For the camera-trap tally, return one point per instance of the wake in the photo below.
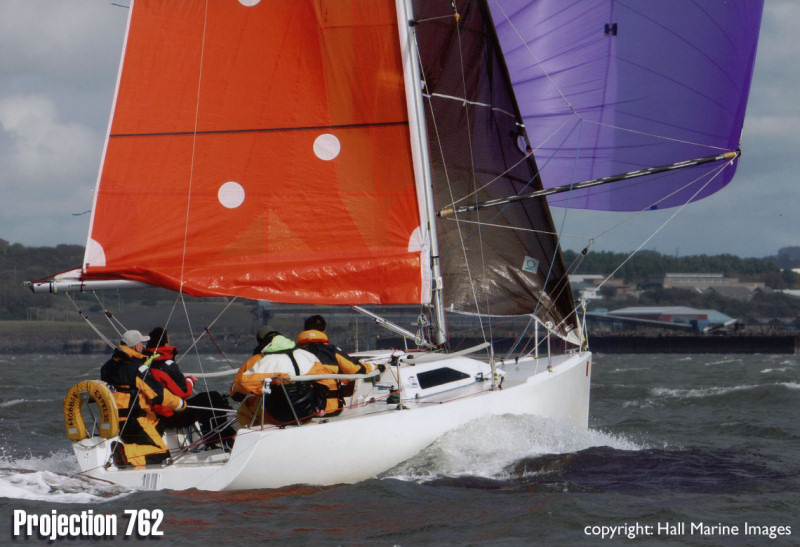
(53, 479)
(488, 448)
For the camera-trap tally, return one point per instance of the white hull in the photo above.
(365, 441)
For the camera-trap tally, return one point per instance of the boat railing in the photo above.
(284, 380)
(430, 357)
(315, 377)
(300, 378)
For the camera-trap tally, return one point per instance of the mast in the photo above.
(411, 68)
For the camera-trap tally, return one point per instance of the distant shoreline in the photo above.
(723, 344)
(19, 338)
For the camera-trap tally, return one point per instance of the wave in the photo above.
(53, 479)
(724, 362)
(695, 393)
(660, 395)
(654, 471)
(486, 448)
(14, 402)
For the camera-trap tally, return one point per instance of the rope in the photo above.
(194, 147)
(651, 236)
(89, 322)
(536, 59)
(473, 179)
(219, 349)
(445, 168)
(667, 221)
(110, 316)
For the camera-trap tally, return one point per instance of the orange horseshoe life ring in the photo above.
(101, 394)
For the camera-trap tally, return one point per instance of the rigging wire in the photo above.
(189, 193)
(536, 59)
(194, 150)
(664, 224)
(88, 321)
(661, 227)
(579, 259)
(111, 344)
(444, 166)
(207, 330)
(711, 173)
(473, 177)
(466, 103)
(564, 279)
(112, 320)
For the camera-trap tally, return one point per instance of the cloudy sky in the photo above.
(58, 68)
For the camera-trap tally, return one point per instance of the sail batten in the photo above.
(258, 130)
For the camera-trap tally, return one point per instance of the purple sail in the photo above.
(606, 87)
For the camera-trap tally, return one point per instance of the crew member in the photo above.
(314, 339)
(136, 392)
(165, 369)
(280, 358)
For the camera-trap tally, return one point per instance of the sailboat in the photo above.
(399, 152)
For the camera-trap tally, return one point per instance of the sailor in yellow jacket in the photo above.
(135, 392)
(280, 358)
(314, 340)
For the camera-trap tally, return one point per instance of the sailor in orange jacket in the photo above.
(136, 392)
(263, 337)
(314, 340)
(280, 358)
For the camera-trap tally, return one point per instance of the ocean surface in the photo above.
(681, 450)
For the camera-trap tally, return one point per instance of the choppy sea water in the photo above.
(681, 450)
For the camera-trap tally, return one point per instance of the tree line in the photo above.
(775, 271)
(19, 263)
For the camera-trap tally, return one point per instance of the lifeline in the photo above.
(54, 525)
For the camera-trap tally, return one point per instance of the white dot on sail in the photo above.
(231, 195)
(249, 3)
(95, 254)
(327, 146)
(416, 242)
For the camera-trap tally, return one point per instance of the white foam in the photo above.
(14, 402)
(53, 479)
(486, 447)
(700, 393)
(723, 362)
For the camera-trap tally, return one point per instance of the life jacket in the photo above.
(337, 362)
(281, 358)
(295, 401)
(167, 372)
